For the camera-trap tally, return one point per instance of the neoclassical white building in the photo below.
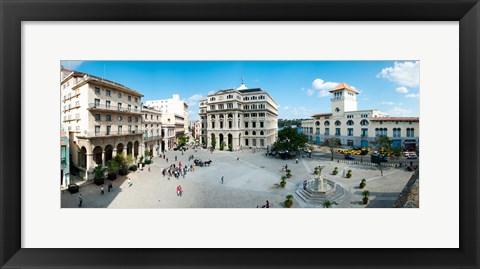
(103, 118)
(239, 117)
(359, 127)
(152, 134)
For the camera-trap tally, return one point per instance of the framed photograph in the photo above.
(239, 134)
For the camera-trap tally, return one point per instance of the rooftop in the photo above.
(415, 119)
(342, 86)
(321, 115)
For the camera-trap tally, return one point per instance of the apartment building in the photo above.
(103, 118)
(152, 132)
(171, 106)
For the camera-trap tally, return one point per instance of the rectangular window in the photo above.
(108, 92)
(136, 100)
(107, 104)
(337, 131)
(109, 117)
(221, 125)
(246, 124)
(317, 131)
(97, 90)
(254, 124)
(213, 125)
(97, 130)
(129, 98)
(364, 132)
(230, 124)
(261, 124)
(97, 102)
(119, 129)
(129, 107)
(97, 117)
(119, 106)
(350, 131)
(108, 129)
(327, 131)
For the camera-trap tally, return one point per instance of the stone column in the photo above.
(114, 152)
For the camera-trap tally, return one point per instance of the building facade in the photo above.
(239, 117)
(168, 132)
(359, 127)
(196, 130)
(152, 132)
(64, 158)
(103, 119)
(171, 106)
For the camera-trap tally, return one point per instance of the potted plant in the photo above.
(326, 204)
(349, 174)
(289, 201)
(289, 174)
(112, 168)
(335, 171)
(222, 145)
(98, 175)
(283, 182)
(230, 147)
(363, 183)
(365, 194)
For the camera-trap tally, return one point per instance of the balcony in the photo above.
(152, 138)
(105, 108)
(110, 134)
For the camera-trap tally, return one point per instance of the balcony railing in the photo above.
(152, 138)
(110, 133)
(113, 108)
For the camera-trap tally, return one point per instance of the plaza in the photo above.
(248, 182)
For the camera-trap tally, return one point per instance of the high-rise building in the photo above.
(171, 106)
(237, 118)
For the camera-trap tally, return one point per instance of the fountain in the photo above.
(319, 188)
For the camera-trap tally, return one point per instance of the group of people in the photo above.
(109, 186)
(177, 171)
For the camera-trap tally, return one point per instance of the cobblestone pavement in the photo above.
(248, 183)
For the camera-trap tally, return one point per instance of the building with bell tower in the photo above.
(344, 99)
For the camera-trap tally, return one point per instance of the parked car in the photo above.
(349, 157)
(412, 156)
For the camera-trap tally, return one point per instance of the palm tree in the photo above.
(326, 204)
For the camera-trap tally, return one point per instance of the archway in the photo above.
(108, 153)
(230, 140)
(82, 157)
(220, 139)
(97, 155)
(120, 149)
(129, 148)
(135, 149)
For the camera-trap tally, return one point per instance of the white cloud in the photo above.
(320, 84)
(193, 100)
(310, 92)
(400, 112)
(71, 64)
(412, 95)
(401, 90)
(387, 103)
(323, 93)
(286, 107)
(402, 73)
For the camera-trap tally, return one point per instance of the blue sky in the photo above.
(300, 88)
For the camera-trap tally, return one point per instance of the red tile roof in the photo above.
(321, 115)
(395, 119)
(342, 86)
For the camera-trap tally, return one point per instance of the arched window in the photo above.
(327, 123)
(254, 133)
(338, 123)
(261, 132)
(246, 132)
(317, 123)
(364, 123)
(213, 117)
(230, 116)
(350, 122)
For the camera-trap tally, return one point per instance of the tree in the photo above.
(383, 143)
(327, 204)
(182, 140)
(289, 139)
(222, 145)
(331, 143)
(213, 143)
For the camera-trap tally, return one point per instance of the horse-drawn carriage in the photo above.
(201, 163)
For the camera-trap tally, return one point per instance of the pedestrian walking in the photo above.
(238, 158)
(102, 190)
(296, 160)
(110, 186)
(129, 182)
(381, 172)
(178, 190)
(80, 200)
(175, 157)
(149, 168)
(221, 180)
(286, 167)
(267, 205)
(167, 160)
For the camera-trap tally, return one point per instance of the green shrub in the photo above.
(283, 183)
(349, 174)
(335, 171)
(289, 201)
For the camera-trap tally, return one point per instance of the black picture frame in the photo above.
(13, 12)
